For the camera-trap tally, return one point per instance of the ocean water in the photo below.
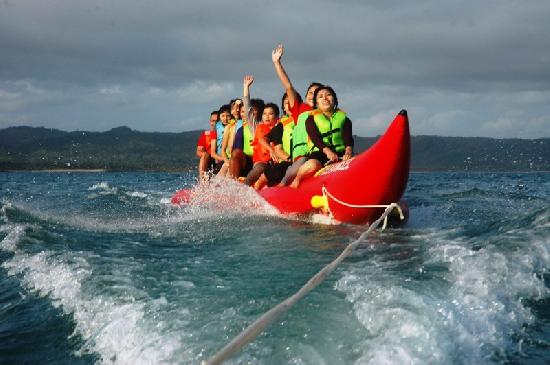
(99, 268)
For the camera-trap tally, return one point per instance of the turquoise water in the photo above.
(100, 268)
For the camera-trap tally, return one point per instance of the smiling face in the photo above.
(325, 101)
(309, 95)
(225, 117)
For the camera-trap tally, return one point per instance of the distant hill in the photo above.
(30, 148)
(435, 153)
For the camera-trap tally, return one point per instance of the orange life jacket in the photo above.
(260, 153)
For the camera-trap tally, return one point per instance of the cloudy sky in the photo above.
(461, 68)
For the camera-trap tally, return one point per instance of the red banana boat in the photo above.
(353, 191)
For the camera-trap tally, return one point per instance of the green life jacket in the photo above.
(288, 125)
(330, 129)
(247, 140)
(300, 137)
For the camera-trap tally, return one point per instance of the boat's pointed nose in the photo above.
(376, 176)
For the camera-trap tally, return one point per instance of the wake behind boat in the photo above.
(354, 191)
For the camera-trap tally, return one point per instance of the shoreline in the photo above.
(60, 170)
(185, 171)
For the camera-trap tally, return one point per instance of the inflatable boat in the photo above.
(355, 191)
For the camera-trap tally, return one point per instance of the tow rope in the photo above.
(253, 330)
(327, 193)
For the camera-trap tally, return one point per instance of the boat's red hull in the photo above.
(375, 177)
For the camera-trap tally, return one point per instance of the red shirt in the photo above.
(297, 109)
(206, 139)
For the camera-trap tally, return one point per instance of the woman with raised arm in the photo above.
(241, 155)
(299, 112)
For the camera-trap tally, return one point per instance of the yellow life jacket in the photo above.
(288, 126)
(247, 140)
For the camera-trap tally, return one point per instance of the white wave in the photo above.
(323, 219)
(5, 206)
(464, 314)
(542, 221)
(136, 194)
(14, 235)
(103, 188)
(121, 331)
(166, 201)
(172, 216)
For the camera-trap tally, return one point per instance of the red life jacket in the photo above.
(260, 153)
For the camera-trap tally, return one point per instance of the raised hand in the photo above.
(248, 80)
(277, 53)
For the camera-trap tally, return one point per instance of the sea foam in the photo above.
(120, 331)
(466, 313)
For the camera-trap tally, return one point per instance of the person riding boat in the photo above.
(329, 134)
(234, 128)
(206, 139)
(299, 112)
(241, 155)
(279, 143)
(217, 151)
(261, 155)
(235, 106)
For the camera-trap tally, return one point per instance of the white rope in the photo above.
(326, 193)
(252, 331)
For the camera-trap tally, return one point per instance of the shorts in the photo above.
(319, 156)
(276, 171)
(247, 166)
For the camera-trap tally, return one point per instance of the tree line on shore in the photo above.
(123, 149)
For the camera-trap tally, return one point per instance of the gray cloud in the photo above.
(459, 67)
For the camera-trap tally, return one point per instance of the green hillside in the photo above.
(29, 148)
